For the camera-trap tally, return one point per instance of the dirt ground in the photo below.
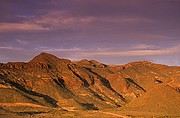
(40, 112)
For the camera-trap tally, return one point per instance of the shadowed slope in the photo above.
(50, 81)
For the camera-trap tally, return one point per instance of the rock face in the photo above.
(53, 82)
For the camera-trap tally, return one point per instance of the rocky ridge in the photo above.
(49, 81)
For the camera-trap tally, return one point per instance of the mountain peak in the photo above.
(142, 62)
(90, 63)
(45, 54)
(45, 57)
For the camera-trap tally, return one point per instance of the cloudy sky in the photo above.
(110, 31)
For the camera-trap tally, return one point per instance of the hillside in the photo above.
(48, 82)
(161, 98)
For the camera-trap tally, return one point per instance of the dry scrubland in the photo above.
(49, 87)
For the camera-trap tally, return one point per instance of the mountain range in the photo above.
(48, 85)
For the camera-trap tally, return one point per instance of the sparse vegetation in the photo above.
(51, 87)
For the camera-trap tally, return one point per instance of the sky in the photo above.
(109, 31)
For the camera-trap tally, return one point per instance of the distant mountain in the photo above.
(48, 81)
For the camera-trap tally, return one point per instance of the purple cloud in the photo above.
(107, 30)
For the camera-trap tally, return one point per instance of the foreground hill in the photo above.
(48, 82)
(162, 99)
